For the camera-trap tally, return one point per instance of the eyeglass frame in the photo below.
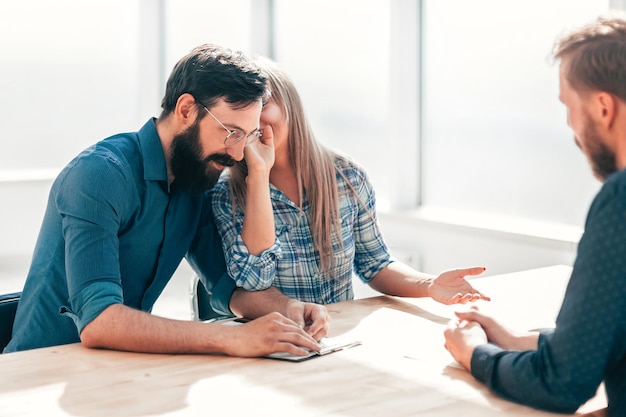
(231, 132)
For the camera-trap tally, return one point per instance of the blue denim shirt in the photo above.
(114, 232)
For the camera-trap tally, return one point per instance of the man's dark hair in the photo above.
(210, 72)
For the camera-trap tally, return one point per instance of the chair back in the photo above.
(200, 299)
(8, 306)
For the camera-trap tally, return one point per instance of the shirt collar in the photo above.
(154, 167)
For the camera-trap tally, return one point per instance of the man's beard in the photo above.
(601, 158)
(192, 172)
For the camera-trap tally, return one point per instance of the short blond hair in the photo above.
(595, 56)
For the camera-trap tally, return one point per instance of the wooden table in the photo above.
(401, 369)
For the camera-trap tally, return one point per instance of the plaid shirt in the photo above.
(291, 264)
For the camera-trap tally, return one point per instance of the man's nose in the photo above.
(236, 151)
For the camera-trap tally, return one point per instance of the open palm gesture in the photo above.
(451, 287)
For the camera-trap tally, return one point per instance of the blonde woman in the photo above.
(302, 218)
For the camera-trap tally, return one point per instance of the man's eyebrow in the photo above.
(233, 126)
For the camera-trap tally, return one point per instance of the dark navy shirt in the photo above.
(114, 232)
(588, 344)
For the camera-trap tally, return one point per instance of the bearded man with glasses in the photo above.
(123, 214)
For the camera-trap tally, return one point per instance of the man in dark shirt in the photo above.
(561, 368)
(122, 215)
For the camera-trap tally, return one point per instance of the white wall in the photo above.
(436, 244)
(21, 213)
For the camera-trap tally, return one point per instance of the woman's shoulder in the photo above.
(350, 168)
(348, 163)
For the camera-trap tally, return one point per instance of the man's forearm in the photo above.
(120, 327)
(253, 304)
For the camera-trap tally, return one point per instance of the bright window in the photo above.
(494, 135)
(68, 76)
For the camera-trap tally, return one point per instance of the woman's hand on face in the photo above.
(259, 153)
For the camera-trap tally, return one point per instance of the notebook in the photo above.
(328, 345)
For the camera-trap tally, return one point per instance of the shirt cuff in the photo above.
(483, 360)
(255, 272)
(369, 275)
(91, 301)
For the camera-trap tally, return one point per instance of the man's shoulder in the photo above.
(610, 202)
(618, 178)
(115, 159)
(120, 149)
(614, 187)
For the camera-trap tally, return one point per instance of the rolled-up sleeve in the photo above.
(251, 272)
(89, 202)
(371, 252)
(91, 301)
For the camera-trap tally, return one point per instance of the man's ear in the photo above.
(606, 109)
(186, 109)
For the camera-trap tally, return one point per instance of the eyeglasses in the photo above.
(235, 136)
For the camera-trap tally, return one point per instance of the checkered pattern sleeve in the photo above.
(371, 254)
(250, 272)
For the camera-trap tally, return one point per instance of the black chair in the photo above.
(200, 299)
(8, 305)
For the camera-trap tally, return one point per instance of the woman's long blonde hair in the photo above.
(314, 165)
